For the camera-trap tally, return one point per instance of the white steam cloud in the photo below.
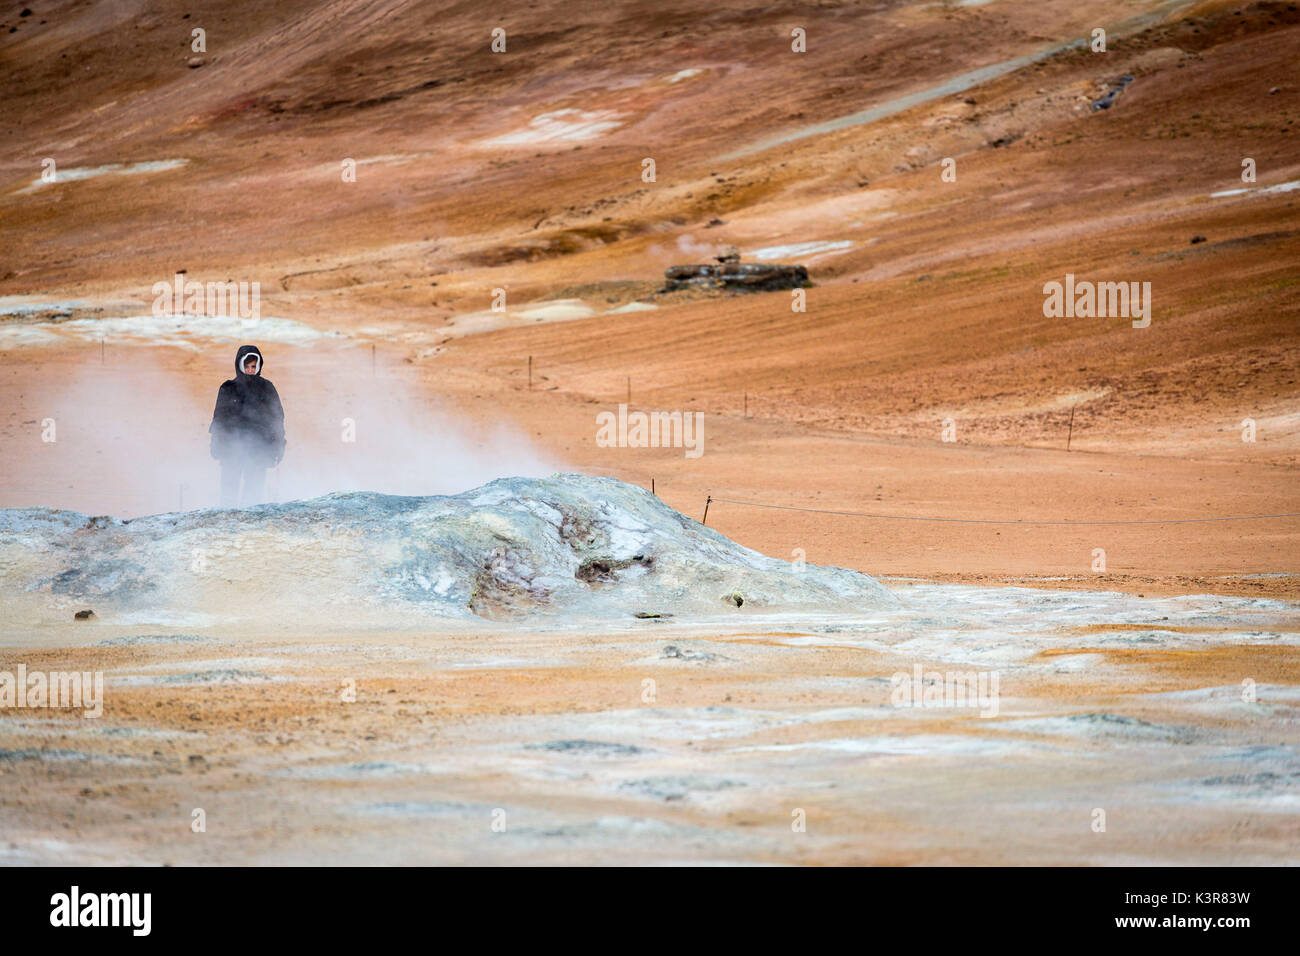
(133, 440)
(686, 250)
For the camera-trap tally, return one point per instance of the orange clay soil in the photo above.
(934, 311)
(522, 171)
(514, 746)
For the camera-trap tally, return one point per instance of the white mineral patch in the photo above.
(802, 250)
(1260, 190)
(561, 126)
(193, 332)
(558, 311)
(75, 173)
(915, 745)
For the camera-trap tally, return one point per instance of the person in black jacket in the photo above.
(247, 429)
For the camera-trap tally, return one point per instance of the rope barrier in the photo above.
(866, 514)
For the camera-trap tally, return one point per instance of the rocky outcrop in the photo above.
(734, 275)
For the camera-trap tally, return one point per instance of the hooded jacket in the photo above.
(248, 421)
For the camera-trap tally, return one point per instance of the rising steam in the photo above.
(133, 440)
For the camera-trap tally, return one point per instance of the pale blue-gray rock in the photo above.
(564, 547)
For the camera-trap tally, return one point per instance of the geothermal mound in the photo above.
(566, 545)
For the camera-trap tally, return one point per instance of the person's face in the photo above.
(250, 365)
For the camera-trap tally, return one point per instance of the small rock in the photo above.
(195, 62)
(1198, 239)
(1276, 89)
(86, 615)
(672, 651)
